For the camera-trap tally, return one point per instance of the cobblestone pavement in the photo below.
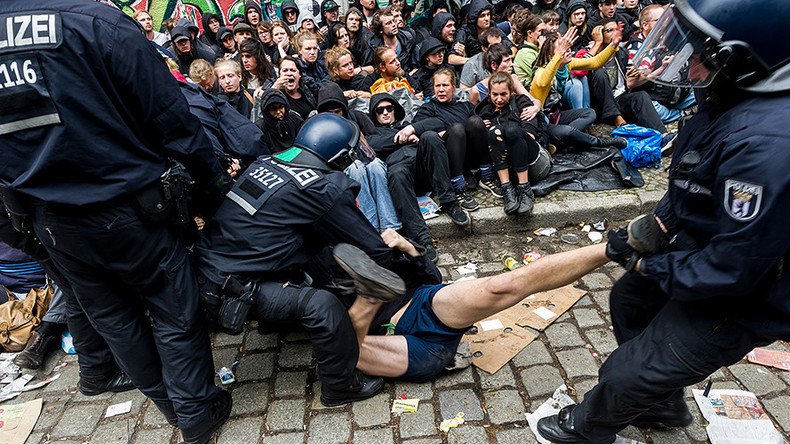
(276, 396)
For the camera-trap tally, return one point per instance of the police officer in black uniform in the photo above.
(90, 117)
(278, 222)
(707, 282)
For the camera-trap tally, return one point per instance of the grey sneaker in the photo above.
(466, 201)
(492, 184)
(372, 280)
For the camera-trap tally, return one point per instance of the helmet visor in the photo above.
(673, 54)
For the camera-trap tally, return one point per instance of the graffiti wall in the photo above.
(231, 10)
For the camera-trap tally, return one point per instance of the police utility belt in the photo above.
(165, 201)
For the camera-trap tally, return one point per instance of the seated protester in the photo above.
(367, 169)
(252, 13)
(443, 28)
(242, 32)
(432, 319)
(279, 123)
(145, 20)
(258, 72)
(499, 58)
(668, 101)
(478, 19)
(463, 133)
(202, 73)
(511, 140)
(607, 9)
(576, 17)
(542, 6)
(614, 101)
(415, 166)
(270, 49)
(432, 56)
(289, 11)
(474, 69)
(368, 9)
(185, 51)
(308, 25)
(630, 10)
(552, 21)
(401, 10)
(234, 138)
(422, 23)
(300, 97)
(509, 11)
(531, 27)
(211, 24)
(330, 13)
(281, 36)
(228, 47)
(359, 36)
(310, 64)
(229, 76)
(566, 127)
(388, 76)
(386, 34)
(310, 206)
(340, 64)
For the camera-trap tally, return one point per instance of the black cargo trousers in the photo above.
(135, 284)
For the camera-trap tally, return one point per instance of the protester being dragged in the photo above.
(341, 68)
(278, 121)
(300, 97)
(229, 75)
(186, 51)
(512, 139)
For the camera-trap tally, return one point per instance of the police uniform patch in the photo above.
(742, 199)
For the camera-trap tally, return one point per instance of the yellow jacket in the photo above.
(544, 77)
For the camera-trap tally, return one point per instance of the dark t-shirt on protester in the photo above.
(301, 106)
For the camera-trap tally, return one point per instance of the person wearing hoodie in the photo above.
(576, 16)
(478, 20)
(359, 36)
(186, 51)
(463, 133)
(432, 57)
(278, 122)
(289, 12)
(252, 13)
(371, 173)
(211, 24)
(415, 165)
(193, 34)
(443, 28)
(228, 48)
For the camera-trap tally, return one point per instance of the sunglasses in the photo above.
(381, 109)
(290, 12)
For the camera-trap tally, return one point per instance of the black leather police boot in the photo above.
(559, 428)
(372, 280)
(35, 351)
(218, 414)
(362, 387)
(92, 385)
(665, 414)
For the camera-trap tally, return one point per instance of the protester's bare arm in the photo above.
(461, 304)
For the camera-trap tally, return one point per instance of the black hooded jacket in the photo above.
(278, 134)
(467, 34)
(512, 114)
(210, 38)
(435, 116)
(250, 4)
(406, 46)
(330, 96)
(422, 79)
(383, 142)
(197, 51)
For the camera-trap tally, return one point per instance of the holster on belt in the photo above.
(238, 297)
(17, 211)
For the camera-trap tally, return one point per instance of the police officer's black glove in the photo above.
(208, 198)
(618, 249)
(646, 236)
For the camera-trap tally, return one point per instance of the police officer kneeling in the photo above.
(276, 222)
(707, 282)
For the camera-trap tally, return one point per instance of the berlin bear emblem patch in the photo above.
(742, 199)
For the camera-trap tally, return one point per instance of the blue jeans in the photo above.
(374, 197)
(672, 114)
(577, 93)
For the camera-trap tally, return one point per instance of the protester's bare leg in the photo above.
(361, 313)
(462, 304)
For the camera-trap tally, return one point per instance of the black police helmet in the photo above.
(739, 41)
(330, 137)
